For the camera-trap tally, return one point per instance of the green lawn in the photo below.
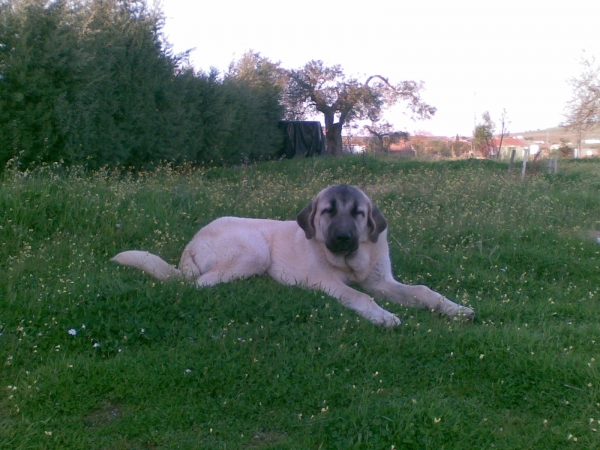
(97, 356)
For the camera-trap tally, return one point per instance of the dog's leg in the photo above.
(418, 297)
(212, 278)
(216, 276)
(361, 303)
(208, 279)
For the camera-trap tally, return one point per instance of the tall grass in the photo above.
(99, 356)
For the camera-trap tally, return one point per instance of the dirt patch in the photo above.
(107, 413)
(265, 439)
(595, 236)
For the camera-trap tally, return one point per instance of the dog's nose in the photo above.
(342, 241)
(343, 236)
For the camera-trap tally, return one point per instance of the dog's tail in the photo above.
(149, 263)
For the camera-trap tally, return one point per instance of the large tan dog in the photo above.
(338, 240)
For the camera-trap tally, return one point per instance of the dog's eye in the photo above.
(358, 212)
(327, 211)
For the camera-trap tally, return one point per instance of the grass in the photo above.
(94, 355)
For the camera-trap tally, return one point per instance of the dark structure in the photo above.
(302, 139)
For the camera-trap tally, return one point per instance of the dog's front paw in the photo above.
(452, 309)
(387, 320)
(465, 312)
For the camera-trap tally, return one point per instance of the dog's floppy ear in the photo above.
(376, 223)
(306, 219)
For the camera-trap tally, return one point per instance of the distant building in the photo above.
(519, 145)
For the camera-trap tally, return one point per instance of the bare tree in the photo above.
(327, 90)
(583, 110)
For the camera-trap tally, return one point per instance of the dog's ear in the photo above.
(376, 223)
(306, 219)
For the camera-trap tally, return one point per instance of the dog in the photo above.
(338, 240)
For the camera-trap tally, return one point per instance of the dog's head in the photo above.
(342, 216)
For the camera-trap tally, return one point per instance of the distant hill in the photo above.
(554, 135)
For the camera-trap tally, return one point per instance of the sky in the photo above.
(473, 56)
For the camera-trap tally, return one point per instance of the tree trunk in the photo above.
(334, 139)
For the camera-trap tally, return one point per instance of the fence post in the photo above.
(525, 158)
(553, 164)
(512, 160)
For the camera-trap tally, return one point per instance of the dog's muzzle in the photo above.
(342, 243)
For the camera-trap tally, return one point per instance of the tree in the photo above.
(565, 150)
(383, 136)
(83, 81)
(459, 148)
(439, 148)
(258, 71)
(583, 110)
(327, 90)
(418, 142)
(503, 130)
(483, 136)
(255, 84)
(94, 82)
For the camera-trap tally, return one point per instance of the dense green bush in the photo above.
(94, 82)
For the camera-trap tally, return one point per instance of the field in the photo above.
(98, 356)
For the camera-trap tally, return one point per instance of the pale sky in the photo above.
(472, 56)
